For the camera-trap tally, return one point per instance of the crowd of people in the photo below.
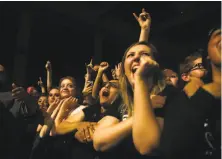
(144, 111)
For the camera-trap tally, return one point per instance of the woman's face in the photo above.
(67, 89)
(108, 93)
(43, 103)
(53, 95)
(132, 60)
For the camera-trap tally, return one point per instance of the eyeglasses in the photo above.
(196, 67)
(111, 84)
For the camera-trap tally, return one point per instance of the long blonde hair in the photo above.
(125, 87)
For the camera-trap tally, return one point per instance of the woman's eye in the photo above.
(145, 54)
(70, 86)
(130, 55)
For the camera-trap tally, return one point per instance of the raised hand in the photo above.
(40, 83)
(103, 66)
(18, 93)
(89, 67)
(87, 89)
(48, 66)
(53, 106)
(118, 70)
(49, 117)
(113, 71)
(144, 19)
(67, 105)
(147, 65)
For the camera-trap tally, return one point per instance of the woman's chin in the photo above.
(65, 95)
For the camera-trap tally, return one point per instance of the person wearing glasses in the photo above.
(190, 129)
(192, 69)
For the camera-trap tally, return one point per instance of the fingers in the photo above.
(113, 70)
(136, 17)
(18, 92)
(144, 16)
(143, 10)
(146, 60)
(104, 64)
(80, 136)
(87, 134)
(13, 86)
(16, 89)
(53, 106)
(88, 90)
(158, 101)
(48, 65)
(119, 65)
(55, 112)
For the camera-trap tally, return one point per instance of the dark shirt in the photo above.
(66, 146)
(183, 133)
(126, 148)
(14, 124)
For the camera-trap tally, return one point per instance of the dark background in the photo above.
(65, 33)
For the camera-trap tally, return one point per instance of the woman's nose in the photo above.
(137, 58)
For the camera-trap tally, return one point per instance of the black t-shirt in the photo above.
(183, 133)
(14, 125)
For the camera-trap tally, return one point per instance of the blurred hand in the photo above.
(144, 19)
(49, 118)
(18, 93)
(69, 104)
(53, 106)
(103, 66)
(87, 89)
(48, 66)
(118, 70)
(85, 133)
(113, 71)
(147, 65)
(158, 101)
(89, 67)
(40, 83)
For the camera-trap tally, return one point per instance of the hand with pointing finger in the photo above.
(144, 19)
